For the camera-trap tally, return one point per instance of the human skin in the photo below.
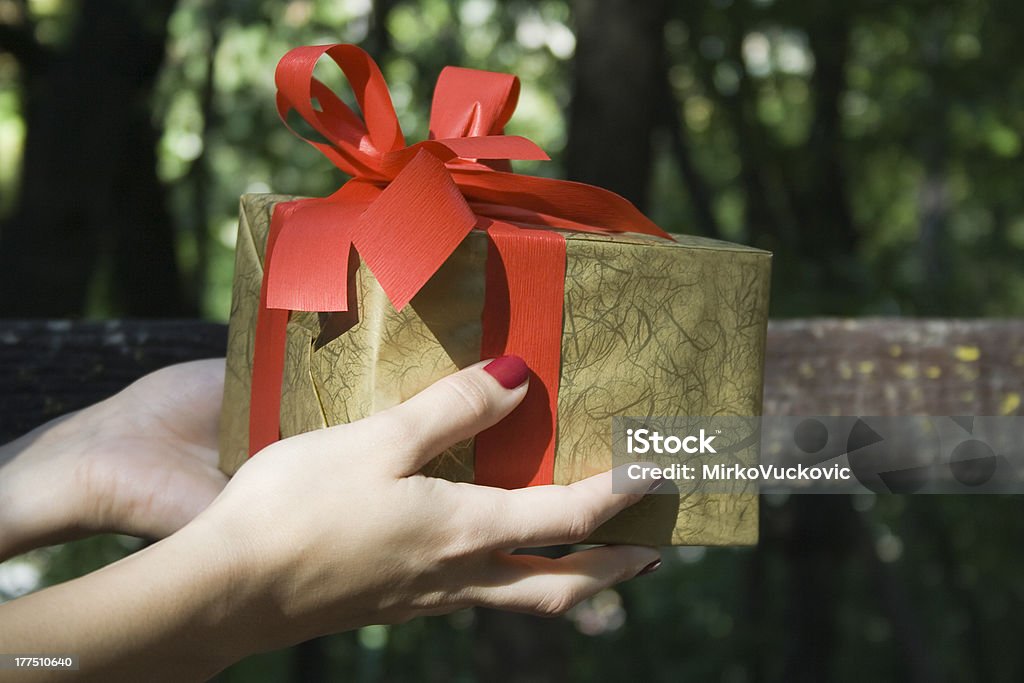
(319, 533)
(143, 462)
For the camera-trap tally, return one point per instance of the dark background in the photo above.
(874, 146)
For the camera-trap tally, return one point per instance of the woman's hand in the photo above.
(143, 462)
(329, 531)
(336, 528)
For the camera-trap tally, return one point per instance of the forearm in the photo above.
(178, 610)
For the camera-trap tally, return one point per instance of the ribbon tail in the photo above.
(525, 285)
(308, 270)
(554, 203)
(412, 228)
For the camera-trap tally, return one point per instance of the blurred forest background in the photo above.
(873, 145)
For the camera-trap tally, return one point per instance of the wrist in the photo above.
(38, 501)
(220, 593)
(278, 587)
(256, 593)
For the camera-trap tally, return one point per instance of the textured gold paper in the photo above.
(651, 327)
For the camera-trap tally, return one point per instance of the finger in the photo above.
(552, 515)
(450, 410)
(550, 587)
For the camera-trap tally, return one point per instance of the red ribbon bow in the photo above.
(406, 208)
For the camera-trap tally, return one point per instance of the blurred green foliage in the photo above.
(930, 111)
(931, 114)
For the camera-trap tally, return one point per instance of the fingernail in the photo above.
(649, 569)
(655, 485)
(510, 371)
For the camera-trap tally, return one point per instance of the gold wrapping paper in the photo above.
(651, 327)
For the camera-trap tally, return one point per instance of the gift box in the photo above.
(434, 256)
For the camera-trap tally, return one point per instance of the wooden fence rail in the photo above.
(875, 366)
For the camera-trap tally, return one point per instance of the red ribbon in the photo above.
(406, 208)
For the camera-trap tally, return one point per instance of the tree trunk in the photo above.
(615, 95)
(89, 195)
(827, 195)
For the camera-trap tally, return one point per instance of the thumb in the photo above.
(450, 410)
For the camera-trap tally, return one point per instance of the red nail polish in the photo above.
(652, 567)
(510, 371)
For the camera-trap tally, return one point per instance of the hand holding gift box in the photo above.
(434, 255)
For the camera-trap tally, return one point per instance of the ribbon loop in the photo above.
(358, 144)
(472, 103)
